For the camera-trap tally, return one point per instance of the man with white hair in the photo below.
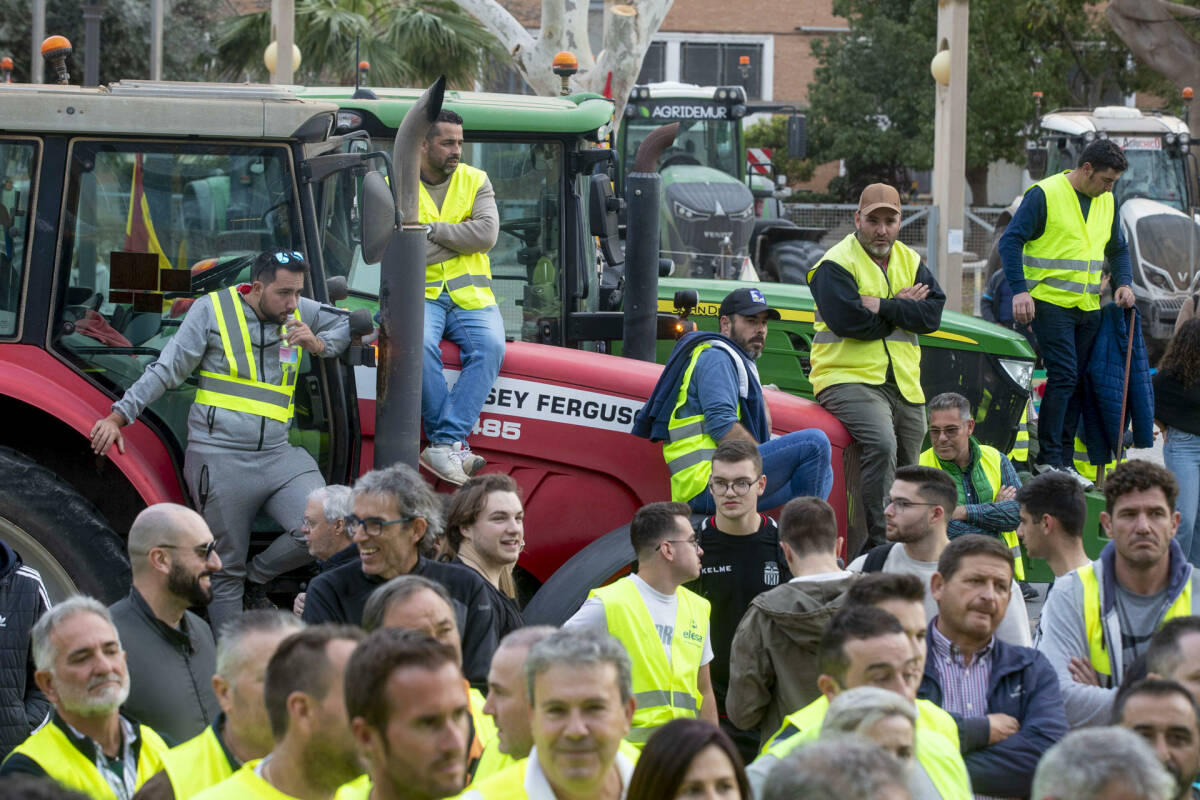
(325, 532)
(1101, 764)
(170, 651)
(87, 745)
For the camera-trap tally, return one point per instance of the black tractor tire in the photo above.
(790, 260)
(564, 592)
(59, 533)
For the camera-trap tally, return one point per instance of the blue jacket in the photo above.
(651, 422)
(1101, 410)
(1022, 685)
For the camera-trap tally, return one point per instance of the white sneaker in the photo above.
(1080, 478)
(471, 463)
(441, 460)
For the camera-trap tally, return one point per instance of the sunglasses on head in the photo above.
(286, 258)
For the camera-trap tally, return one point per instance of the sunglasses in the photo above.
(287, 258)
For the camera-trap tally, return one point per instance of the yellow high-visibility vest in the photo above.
(1020, 448)
(240, 389)
(989, 460)
(63, 762)
(688, 450)
(246, 784)
(1063, 266)
(1098, 645)
(663, 690)
(836, 360)
(937, 743)
(467, 277)
(196, 764)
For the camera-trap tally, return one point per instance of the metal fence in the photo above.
(918, 229)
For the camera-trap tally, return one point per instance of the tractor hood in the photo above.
(709, 218)
(1164, 246)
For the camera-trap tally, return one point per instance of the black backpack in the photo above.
(876, 556)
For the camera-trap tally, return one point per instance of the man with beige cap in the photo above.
(874, 295)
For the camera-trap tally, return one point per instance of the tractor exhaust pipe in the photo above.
(402, 297)
(643, 188)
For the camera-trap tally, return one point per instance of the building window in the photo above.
(718, 64)
(712, 60)
(654, 65)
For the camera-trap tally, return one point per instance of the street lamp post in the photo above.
(949, 68)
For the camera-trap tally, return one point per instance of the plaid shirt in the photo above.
(964, 688)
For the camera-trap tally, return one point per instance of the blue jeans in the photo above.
(1066, 336)
(798, 464)
(449, 414)
(1181, 454)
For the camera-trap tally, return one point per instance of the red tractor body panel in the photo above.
(34, 376)
(558, 421)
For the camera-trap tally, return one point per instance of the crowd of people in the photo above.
(886, 680)
(743, 657)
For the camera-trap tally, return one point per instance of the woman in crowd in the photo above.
(882, 716)
(1177, 413)
(485, 530)
(689, 758)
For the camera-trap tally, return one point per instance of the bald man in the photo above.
(169, 650)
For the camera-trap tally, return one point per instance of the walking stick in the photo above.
(1125, 387)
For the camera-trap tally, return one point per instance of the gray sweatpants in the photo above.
(890, 432)
(229, 487)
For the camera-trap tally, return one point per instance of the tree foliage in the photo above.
(124, 37)
(408, 43)
(872, 103)
(772, 132)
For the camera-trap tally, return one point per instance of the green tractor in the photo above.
(713, 220)
(558, 268)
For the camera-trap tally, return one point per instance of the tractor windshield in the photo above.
(1154, 173)
(707, 142)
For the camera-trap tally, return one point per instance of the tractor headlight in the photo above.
(689, 214)
(1020, 371)
(743, 215)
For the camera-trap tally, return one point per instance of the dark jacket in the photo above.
(651, 422)
(339, 595)
(1102, 383)
(170, 669)
(773, 662)
(1024, 686)
(22, 600)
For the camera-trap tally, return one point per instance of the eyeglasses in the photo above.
(948, 433)
(904, 505)
(287, 258)
(694, 541)
(201, 550)
(374, 526)
(722, 486)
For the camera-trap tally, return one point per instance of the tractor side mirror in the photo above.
(603, 206)
(378, 216)
(797, 140)
(1035, 162)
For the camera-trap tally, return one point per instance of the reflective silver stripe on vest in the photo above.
(640, 735)
(1080, 265)
(684, 431)
(433, 285)
(239, 346)
(657, 698)
(210, 384)
(817, 315)
(829, 337)
(463, 281)
(1065, 285)
(690, 459)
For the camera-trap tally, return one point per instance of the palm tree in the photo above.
(408, 42)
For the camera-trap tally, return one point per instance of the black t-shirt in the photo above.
(734, 570)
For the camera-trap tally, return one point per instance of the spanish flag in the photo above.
(139, 226)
